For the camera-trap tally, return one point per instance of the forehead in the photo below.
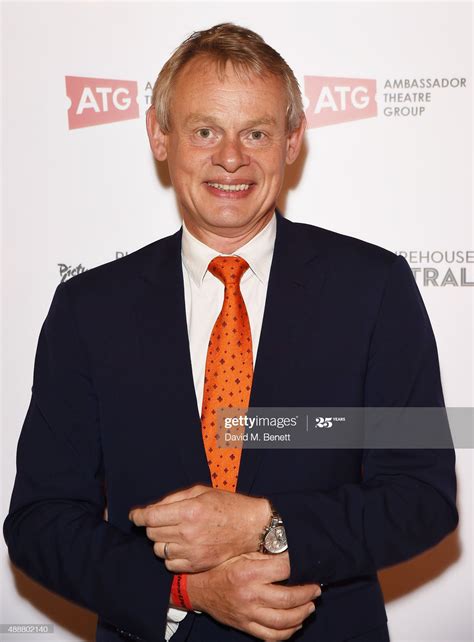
(203, 87)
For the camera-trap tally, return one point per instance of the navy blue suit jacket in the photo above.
(114, 419)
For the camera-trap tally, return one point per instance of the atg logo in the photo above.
(338, 100)
(97, 101)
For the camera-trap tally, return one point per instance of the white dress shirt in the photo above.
(204, 295)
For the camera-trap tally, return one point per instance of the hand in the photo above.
(203, 527)
(240, 593)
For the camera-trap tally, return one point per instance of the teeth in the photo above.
(230, 188)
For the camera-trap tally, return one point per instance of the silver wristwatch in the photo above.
(273, 538)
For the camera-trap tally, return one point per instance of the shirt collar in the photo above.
(258, 253)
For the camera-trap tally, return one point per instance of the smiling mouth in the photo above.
(241, 187)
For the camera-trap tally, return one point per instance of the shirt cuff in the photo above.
(176, 615)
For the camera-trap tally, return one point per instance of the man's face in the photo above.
(227, 148)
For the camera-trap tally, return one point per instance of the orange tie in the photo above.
(229, 369)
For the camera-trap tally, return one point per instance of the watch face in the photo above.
(275, 540)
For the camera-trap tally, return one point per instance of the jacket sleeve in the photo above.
(406, 500)
(55, 529)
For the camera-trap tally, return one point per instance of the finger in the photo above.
(182, 566)
(287, 597)
(159, 550)
(137, 516)
(173, 551)
(160, 514)
(282, 619)
(176, 558)
(264, 633)
(163, 533)
(187, 493)
(141, 516)
(270, 569)
(176, 566)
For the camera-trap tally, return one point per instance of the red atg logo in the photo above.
(97, 101)
(338, 100)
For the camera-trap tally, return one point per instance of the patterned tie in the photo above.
(229, 370)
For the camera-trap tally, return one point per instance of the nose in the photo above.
(230, 154)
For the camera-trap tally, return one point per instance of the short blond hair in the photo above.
(248, 53)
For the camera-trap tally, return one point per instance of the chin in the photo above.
(229, 219)
(231, 223)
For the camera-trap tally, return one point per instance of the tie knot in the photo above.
(228, 269)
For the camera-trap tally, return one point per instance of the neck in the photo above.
(220, 240)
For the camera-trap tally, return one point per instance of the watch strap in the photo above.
(275, 520)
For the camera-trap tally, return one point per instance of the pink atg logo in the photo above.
(97, 101)
(339, 100)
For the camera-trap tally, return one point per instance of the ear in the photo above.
(156, 136)
(294, 141)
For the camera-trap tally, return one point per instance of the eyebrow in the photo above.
(200, 118)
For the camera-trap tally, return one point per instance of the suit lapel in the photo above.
(296, 279)
(165, 350)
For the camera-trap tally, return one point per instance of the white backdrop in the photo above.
(75, 198)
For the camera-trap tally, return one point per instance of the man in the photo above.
(240, 307)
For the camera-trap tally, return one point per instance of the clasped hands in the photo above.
(213, 535)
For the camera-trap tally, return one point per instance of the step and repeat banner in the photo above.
(387, 158)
